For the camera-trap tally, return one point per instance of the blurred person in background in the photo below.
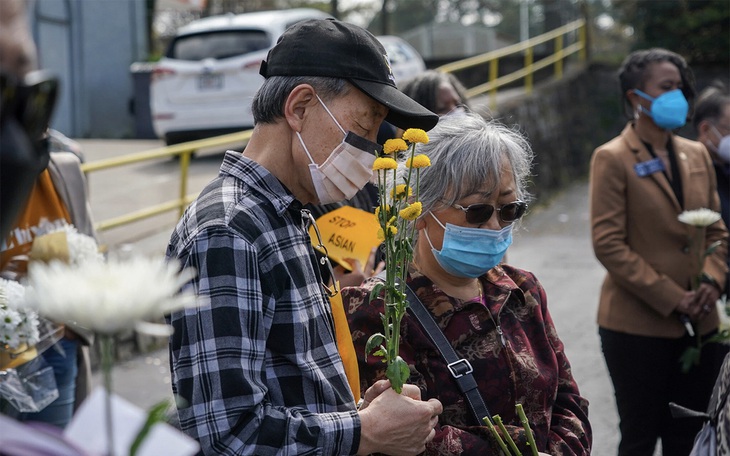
(23, 153)
(712, 122)
(640, 182)
(40, 192)
(440, 92)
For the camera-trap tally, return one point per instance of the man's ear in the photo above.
(703, 129)
(298, 104)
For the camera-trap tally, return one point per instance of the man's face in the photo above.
(355, 112)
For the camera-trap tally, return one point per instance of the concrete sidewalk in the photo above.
(554, 243)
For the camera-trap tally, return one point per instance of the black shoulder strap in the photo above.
(460, 368)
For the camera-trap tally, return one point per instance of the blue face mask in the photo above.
(470, 252)
(668, 110)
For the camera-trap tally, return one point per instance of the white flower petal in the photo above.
(153, 329)
(18, 324)
(108, 297)
(699, 217)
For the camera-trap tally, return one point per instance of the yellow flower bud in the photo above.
(419, 161)
(400, 191)
(394, 145)
(415, 135)
(384, 163)
(412, 211)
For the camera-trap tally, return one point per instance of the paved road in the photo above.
(553, 242)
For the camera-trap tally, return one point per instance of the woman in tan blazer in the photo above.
(640, 182)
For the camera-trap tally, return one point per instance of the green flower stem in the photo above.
(107, 361)
(399, 251)
(528, 431)
(510, 443)
(497, 437)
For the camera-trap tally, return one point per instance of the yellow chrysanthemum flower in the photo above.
(419, 161)
(391, 229)
(394, 145)
(412, 211)
(377, 211)
(384, 163)
(415, 135)
(400, 191)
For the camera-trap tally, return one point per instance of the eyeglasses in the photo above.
(325, 260)
(30, 100)
(479, 213)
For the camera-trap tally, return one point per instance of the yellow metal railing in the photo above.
(184, 151)
(528, 70)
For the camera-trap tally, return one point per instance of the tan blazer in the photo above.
(640, 242)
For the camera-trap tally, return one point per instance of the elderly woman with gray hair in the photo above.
(493, 315)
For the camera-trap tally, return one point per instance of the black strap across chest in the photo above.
(459, 368)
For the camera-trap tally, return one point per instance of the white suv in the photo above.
(204, 84)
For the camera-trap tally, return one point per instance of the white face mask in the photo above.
(347, 169)
(723, 147)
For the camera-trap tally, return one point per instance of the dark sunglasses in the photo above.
(30, 100)
(479, 213)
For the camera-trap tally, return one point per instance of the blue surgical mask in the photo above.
(668, 110)
(470, 252)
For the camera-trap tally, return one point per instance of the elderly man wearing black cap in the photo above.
(257, 365)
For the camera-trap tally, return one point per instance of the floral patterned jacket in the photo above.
(526, 365)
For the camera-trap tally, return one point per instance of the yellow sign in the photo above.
(347, 232)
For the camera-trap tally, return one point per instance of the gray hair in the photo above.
(268, 103)
(711, 103)
(466, 152)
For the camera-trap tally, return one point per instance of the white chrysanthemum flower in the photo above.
(18, 325)
(109, 297)
(699, 217)
(81, 248)
(12, 294)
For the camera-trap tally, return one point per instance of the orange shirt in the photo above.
(44, 212)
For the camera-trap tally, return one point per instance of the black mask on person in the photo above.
(25, 110)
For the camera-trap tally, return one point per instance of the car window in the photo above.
(398, 53)
(218, 45)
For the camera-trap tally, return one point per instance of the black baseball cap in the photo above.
(336, 49)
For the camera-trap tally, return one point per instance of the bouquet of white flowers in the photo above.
(27, 384)
(18, 325)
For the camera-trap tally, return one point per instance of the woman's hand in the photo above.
(687, 305)
(706, 298)
(358, 273)
(698, 304)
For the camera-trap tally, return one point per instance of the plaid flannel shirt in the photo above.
(257, 363)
